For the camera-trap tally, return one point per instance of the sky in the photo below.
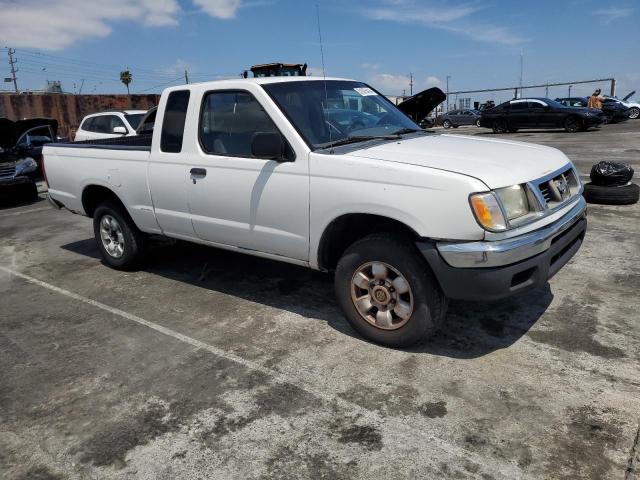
(477, 43)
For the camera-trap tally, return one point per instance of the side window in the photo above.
(228, 122)
(536, 106)
(518, 106)
(101, 124)
(115, 122)
(86, 125)
(175, 115)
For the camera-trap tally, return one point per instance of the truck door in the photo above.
(168, 168)
(237, 199)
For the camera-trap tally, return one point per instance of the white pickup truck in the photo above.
(328, 174)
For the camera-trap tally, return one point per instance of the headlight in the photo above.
(27, 165)
(514, 200)
(487, 211)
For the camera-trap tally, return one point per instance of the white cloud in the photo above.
(57, 24)
(614, 13)
(444, 17)
(178, 68)
(432, 81)
(219, 8)
(392, 84)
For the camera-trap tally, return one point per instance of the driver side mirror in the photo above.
(269, 145)
(120, 130)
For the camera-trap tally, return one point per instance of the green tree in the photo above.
(126, 78)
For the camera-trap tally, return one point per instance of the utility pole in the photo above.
(411, 84)
(186, 76)
(448, 77)
(521, 70)
(570, 90)
(14, 70)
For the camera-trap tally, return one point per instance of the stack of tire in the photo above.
(611, 185)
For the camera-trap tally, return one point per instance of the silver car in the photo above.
(455, 118)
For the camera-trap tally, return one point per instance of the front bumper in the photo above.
(493, 270)
(11, 181)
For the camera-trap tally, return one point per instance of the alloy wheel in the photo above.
(111, 236)
(382, 295)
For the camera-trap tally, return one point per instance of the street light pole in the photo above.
(448, 77)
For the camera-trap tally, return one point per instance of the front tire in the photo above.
(634, 112)
(573, 124)
(478, 123)
(122, 245)
(387, 292)
(447, 124)
(499, 126)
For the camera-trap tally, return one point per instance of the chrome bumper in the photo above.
(506, 252)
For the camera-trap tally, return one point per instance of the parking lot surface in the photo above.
(208, 364)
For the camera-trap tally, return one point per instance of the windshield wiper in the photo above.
(359, 138)
(402, 131)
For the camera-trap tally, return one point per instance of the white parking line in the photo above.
(25, 211)
(505, 469)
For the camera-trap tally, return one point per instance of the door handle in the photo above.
(198, 173)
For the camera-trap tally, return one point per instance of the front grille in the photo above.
(560, 188)
(7, 171)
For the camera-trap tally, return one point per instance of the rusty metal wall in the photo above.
(69, 109)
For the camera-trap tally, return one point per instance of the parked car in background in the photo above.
(109, 124)
(455, 118)
(21, 145)
(539, 113)
(614, 111)
(419, 106)
(622, 109)
(634, 107)
(403, 217)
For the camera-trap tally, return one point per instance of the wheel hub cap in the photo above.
(382, 295)
(111, 236)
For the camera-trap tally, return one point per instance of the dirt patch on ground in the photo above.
(365, 435)
(582, 442)
(576, 333)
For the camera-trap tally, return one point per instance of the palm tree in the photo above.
(126, 78)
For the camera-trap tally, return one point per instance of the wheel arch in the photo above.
(348, 228)
(94, 194)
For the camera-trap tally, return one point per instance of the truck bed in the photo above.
(135, 142)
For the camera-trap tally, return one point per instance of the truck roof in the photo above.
(259, 81)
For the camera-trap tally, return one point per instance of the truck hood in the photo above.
(497, 163)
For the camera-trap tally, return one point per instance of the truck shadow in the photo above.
(471, 329)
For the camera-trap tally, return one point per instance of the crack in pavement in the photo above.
(634, 458)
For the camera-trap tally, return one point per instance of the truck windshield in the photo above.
(327, 112)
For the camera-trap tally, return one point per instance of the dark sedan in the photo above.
(614, 110)
(455, 118)
(539, 113)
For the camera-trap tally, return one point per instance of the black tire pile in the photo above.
(611, 185)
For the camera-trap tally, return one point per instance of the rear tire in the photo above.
(387, 291)
(573, 124)
(120, 242)
(447, 124)
(624, 195)
(478, 123)
(499, 126)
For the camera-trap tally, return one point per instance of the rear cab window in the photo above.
(175, 115)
